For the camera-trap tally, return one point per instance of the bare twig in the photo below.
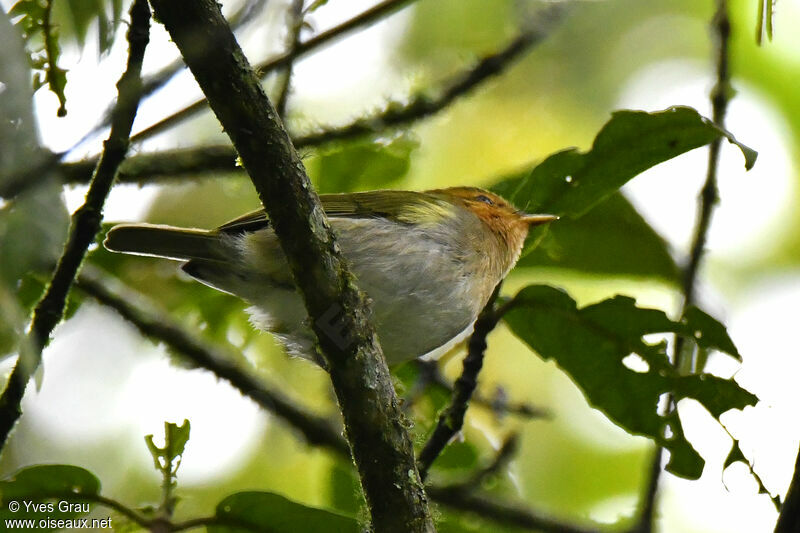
(154, 82)
(157, 325)
(502, 512)
(84, 225)
(294, 25)
(368, 17)
(452, 418)
(501, 459)
(431, 375)
(709, 197)
(423, 106)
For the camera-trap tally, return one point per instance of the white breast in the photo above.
(418, 285)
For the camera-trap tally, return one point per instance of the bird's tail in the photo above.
(166, 241)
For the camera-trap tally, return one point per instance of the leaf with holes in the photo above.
(591, 344)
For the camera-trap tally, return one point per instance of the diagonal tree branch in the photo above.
(502, 512)
(431, 375)
(374, 425)
(368, 17)
(12, 186)
(295, 23)
(452, 418)
(213, 160)
(709, 197)
(156, 324)
(84, 225)
(154, 82)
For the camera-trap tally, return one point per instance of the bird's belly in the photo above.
(417, 305)
(420, 293)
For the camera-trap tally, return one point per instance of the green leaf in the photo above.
(612, 238)
(569, 183)
(458, 456)
(316, 4)
(713, 335)
(737, 456)
(35, 21)
(591, 343)
(175, 439)
(39, 489)
(362, 165)
(272, 513)
(82, 13)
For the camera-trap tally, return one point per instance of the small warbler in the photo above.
(429, 262)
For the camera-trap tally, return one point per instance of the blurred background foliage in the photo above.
(103, 387)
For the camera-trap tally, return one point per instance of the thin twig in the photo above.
(155, 324)
(501, 459)
(366, 18)
(423, 106)
(84, 225)
(452, 418)
(509, 514)
(432, 375)
(214, 160)
(154, 82)
(709, 197)
(295, 25)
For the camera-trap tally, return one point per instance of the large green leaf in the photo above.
(591, 344)
(37, 493)
(569, 183)
(271, 513)
(611, 238)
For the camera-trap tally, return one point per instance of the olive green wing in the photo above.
(391, 205)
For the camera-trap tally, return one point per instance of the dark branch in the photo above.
(154, 82)
(789, 517)
(709, 197)
(84, 225)
(157, 325)
(431, 375)
(294, 25)
(452, 418)
(366, 18)
(504, 513)
(501, 460)
(374, 425)
(422, 106)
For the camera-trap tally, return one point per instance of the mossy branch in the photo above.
(84, 225)
(374, 424)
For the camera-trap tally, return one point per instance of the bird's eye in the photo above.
(485, 199)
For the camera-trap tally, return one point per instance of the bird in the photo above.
(428, 261)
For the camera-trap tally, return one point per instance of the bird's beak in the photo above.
(537, 220)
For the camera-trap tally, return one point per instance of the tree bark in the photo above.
(374, 425)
